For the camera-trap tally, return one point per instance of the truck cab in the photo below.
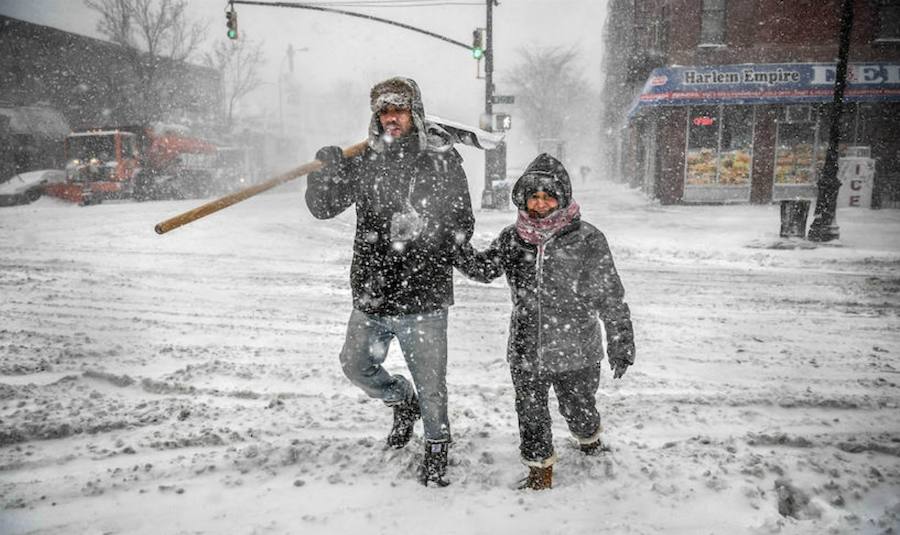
(100, 164)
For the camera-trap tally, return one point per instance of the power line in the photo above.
(394, 3)
(320, 7)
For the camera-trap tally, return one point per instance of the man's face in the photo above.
(396, 122)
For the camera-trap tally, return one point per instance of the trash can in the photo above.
(502, 190)
(793, 218)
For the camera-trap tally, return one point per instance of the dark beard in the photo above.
(404, 143)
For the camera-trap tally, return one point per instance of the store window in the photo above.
(796, 146)
(661, 31)
(888, 20)
(703, 142)
(720, 146)
(735, 154)
(712, 22)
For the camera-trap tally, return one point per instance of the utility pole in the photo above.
(824, 226)
(494, 159)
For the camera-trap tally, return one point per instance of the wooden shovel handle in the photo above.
(246, 193)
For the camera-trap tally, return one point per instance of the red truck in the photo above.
(176, 165)
(143, 163)
(101, 164)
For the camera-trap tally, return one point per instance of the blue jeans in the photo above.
(423, 341)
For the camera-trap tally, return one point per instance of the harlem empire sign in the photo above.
(815, 74)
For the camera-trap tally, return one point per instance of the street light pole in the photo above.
(280, 100)
(494, 159)
(289, 55)
(489, 61)
(824, 226)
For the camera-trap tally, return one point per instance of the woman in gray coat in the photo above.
(562, 282)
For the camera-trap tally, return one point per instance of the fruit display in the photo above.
(701, 167)
(735, 168)
(794, 165)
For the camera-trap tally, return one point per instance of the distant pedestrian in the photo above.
(585, 173)
(563, 282)
(413, 212)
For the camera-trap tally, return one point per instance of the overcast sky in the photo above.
(354, 53)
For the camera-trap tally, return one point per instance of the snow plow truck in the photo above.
(143, 163)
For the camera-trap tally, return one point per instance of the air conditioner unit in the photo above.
(858, 152)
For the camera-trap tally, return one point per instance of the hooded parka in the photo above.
(560, 287)
(413, 210)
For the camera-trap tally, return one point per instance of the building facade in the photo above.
(713, 101)
(91, 83)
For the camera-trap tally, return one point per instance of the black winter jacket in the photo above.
(392, 277)
(560, 289)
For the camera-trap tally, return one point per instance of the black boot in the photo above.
(596, 447)
(405, 416)
(434, 467)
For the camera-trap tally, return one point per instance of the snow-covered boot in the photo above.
(405, 416)
(594, 448)
(434, 467)
(538, 478)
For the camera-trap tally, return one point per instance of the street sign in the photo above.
(503, 99)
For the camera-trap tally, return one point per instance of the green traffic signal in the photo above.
(231, 23)
(478, 38)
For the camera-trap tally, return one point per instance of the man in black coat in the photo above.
(413, 212)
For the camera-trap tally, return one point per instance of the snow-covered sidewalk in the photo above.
(189, 383)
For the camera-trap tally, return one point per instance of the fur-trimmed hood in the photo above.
(404, 92)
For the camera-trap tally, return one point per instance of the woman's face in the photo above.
(541, 204)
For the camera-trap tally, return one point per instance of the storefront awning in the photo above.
(36, 121)
(766, 83)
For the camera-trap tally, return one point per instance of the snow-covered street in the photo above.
(189, 383)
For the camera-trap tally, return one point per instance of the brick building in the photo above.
(45, 72)
(728, 100)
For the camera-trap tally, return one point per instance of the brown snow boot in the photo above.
(539, 478)
(405, 416)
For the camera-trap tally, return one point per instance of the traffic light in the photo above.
(502, 122)
(478, 43)
(231, 24)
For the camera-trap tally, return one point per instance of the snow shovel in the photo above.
(461, 133)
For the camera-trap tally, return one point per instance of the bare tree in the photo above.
(239, 61)
(554, 98)
(157, 36)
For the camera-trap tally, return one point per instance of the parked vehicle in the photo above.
(156, 162)
(28, 187)
(101, 164)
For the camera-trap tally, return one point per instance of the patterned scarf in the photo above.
(536, 231)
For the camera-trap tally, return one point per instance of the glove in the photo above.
(332, 158)
(619, 368)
